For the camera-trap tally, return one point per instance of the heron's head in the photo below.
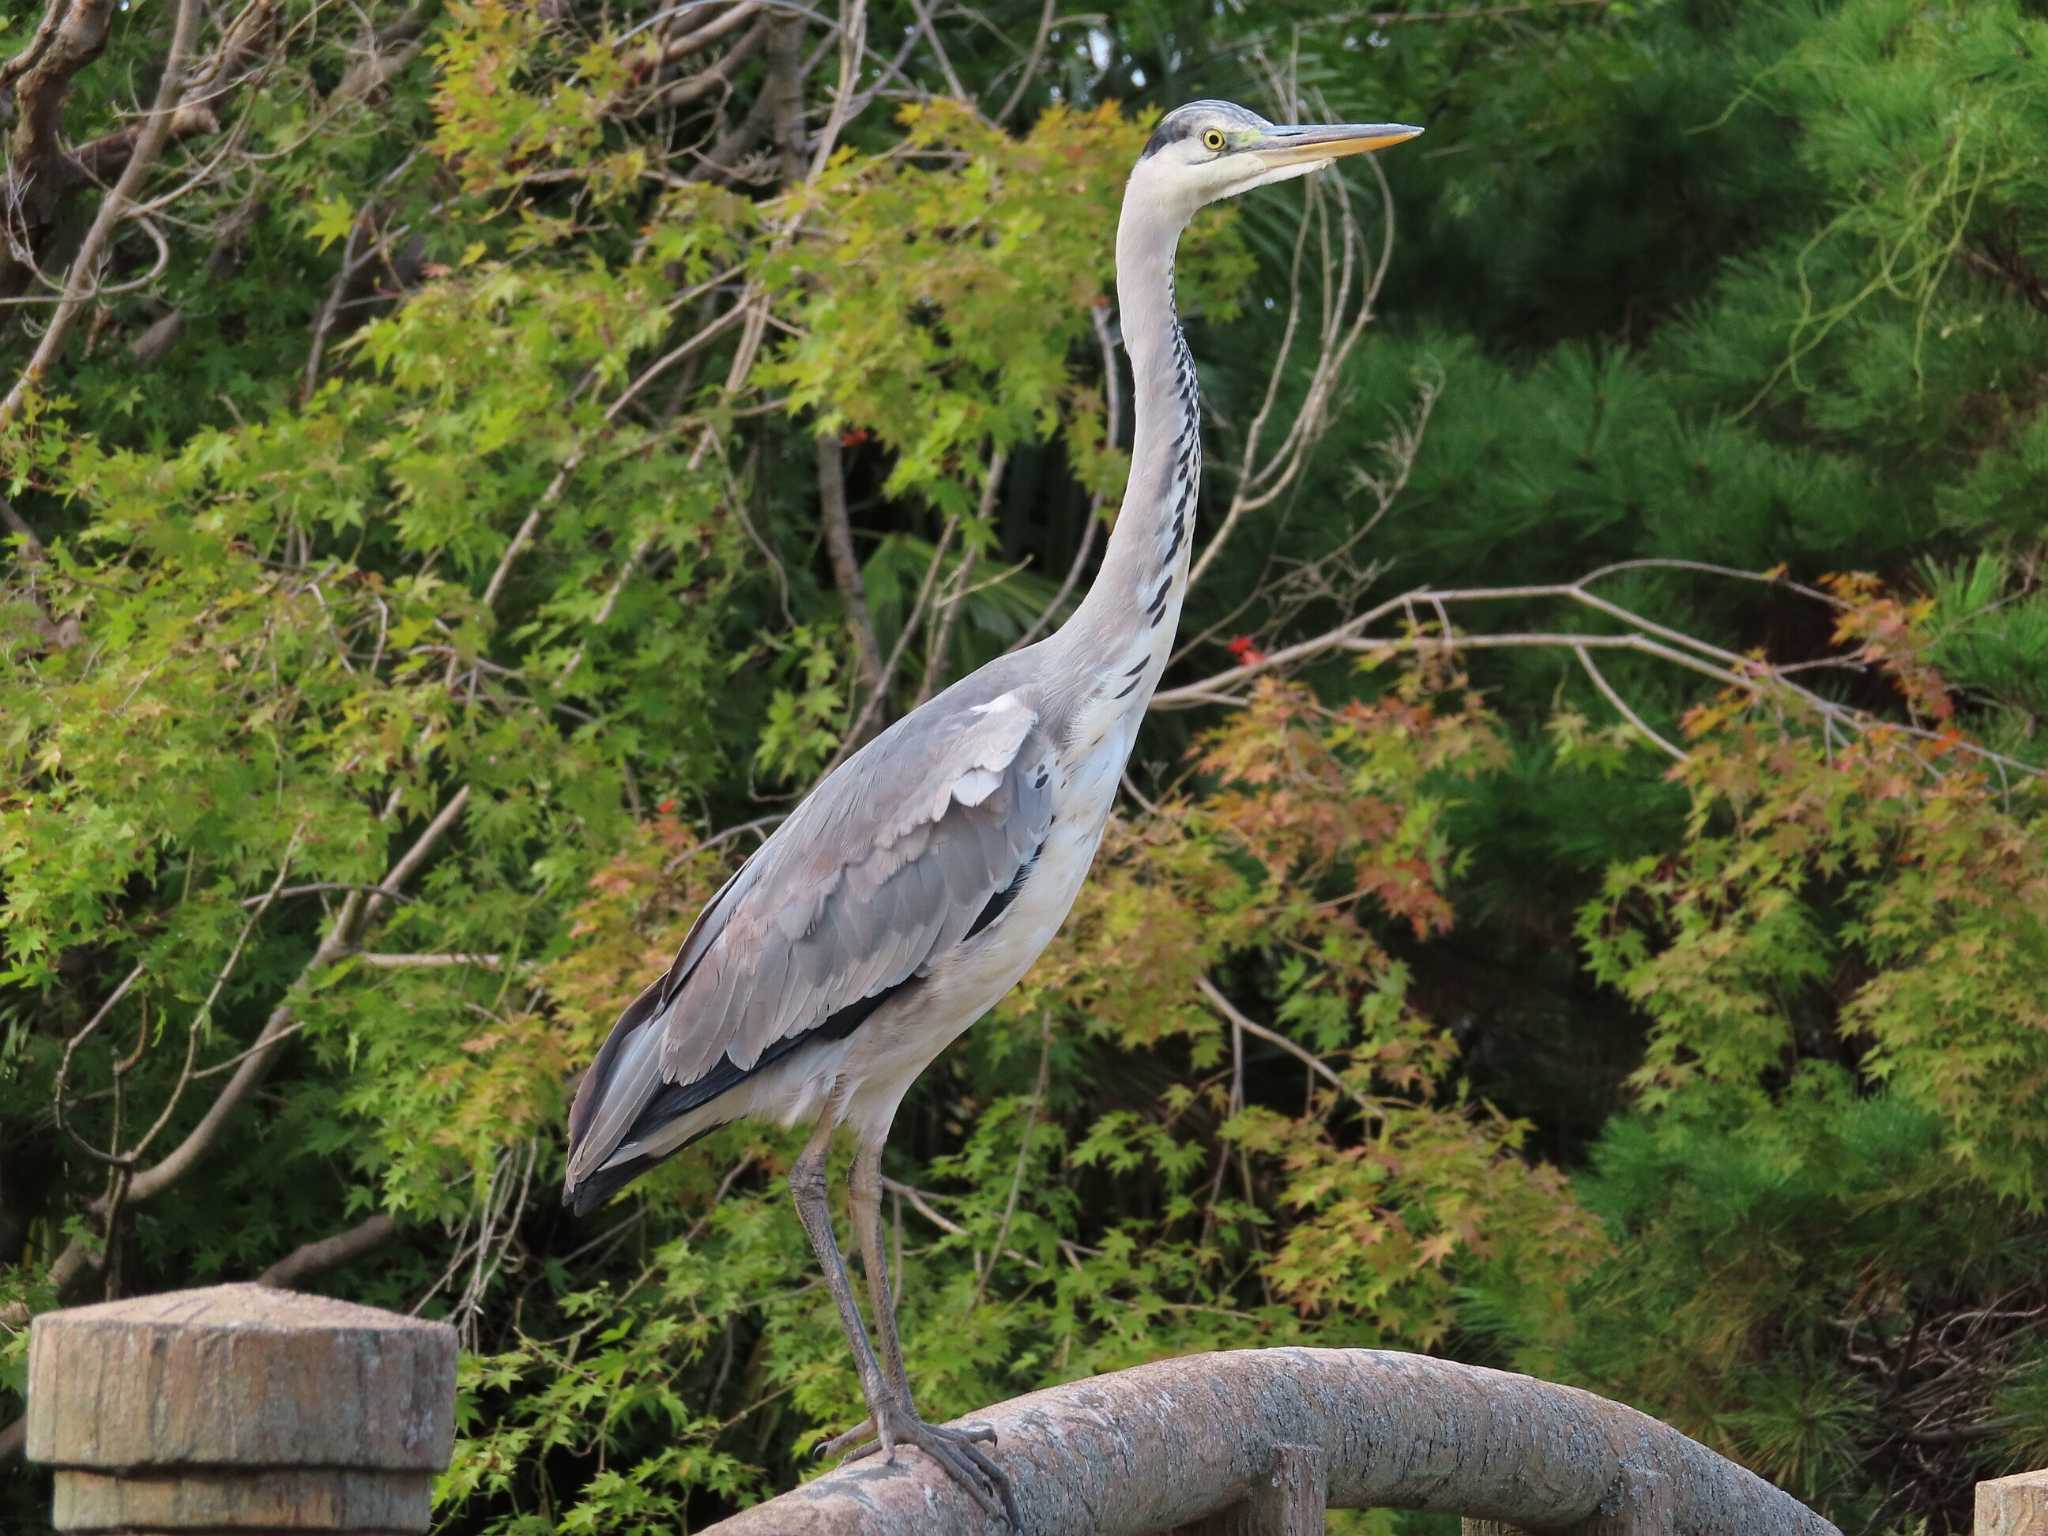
(1209, 150)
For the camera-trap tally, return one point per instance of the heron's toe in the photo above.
(967, 1464)
(957, 1450)
(862, 1437)
(865, 1449)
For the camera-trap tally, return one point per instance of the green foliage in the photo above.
(1870, 889)
(466, 544)
(1783, 1267)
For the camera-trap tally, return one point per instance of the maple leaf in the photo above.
(1435, 1250)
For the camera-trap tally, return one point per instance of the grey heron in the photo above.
(917, 883)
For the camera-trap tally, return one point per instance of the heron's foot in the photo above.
(861, 1440)
(957, 1450)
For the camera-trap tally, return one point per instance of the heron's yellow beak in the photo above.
(1324, 142)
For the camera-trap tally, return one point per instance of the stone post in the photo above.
(1290, 1500)
(240, 1407)
(2013, 1506)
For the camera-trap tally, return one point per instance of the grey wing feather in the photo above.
(881, 870)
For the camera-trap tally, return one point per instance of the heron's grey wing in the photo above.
(884, 867)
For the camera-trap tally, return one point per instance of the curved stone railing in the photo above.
(1261, 1441)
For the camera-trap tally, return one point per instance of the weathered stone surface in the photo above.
(246, 1499)
(1169, 1444)
(240, 1407)
(2013, 1506)
(1292, 1499)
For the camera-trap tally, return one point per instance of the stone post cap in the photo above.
(240, 1376)
(2013, 1506)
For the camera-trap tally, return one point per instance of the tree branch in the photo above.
(1644, 635)
(712, 78)
(430, 962)
(931, 36)
(857, 732)
(72, 34)
(1215, 999)
(1621, 705)
(845, 566)
(956, 587)
(316, 1258)
(81, 283)
(34, 552)
(1031, 60)
(389, 887)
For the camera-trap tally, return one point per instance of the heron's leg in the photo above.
(899, 1422)
(864, 1205)
(807, 1188)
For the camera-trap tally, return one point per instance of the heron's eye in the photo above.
(1212, 139)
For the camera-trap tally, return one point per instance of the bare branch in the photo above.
(424, 845)
(430, 962)
(1031, 61)
(856, 733)
(956, 586)
(845, 567)
(853, 32)
(917, 1200)
(197, 1028)
(681, 352)
(316, 1258)
(46, 30)
(713, 78)
(1645, 636)
(385, 53)
(680, 44)
(256, 1062)
(996, 1249)
(931, 36)
(103, 158)
(71, 35)
(1344, 295)
(79, 285)
(72, 1047)
(317, 887)
(323, 321)
(1215, 999)
(1333, 578)
(778, 100)
(1635, 720)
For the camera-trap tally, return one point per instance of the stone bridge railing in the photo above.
(245, 1408)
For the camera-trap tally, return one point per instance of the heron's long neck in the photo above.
(1122, 631)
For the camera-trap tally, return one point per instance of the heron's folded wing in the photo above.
(885, 866)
